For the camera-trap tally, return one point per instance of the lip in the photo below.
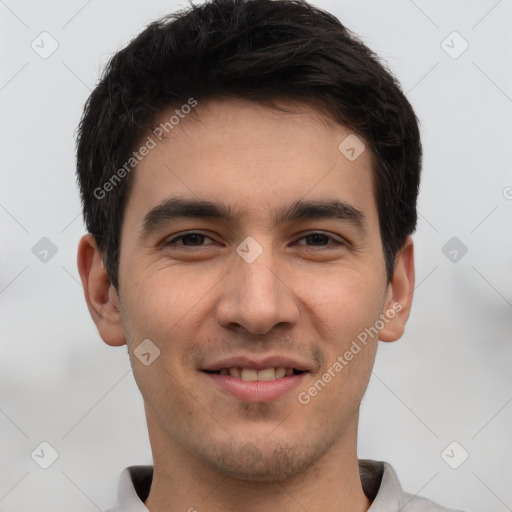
(258, 391)
(259, 364)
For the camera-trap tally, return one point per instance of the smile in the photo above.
(253, 374)
(252, 385)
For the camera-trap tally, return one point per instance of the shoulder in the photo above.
(380, 483)
(413, 503)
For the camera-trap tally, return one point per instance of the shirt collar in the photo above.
(134, 485)
(379, 481)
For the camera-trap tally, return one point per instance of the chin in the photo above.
(265, 461)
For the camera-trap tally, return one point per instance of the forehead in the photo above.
(252, 157)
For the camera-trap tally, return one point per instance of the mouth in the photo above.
(256, 375)
(255, 385)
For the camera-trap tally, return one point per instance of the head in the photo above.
(277, 138)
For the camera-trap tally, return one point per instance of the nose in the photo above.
(257, 296)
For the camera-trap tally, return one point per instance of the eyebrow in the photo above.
(175, 208)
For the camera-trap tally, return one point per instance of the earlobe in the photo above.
(399, 294)
(100, 295)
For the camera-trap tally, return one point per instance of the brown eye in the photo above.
(195, 240)
(321, 240)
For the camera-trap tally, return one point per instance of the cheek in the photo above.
(167, 307)
(347, 300)
(163, 315)
(349, 304)
(164, 300)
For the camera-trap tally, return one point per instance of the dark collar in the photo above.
(370, 472)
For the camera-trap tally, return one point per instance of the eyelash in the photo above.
(338, 243)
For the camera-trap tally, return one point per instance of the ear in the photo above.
(399, 294)
(100, 294)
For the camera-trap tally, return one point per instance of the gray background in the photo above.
(448, 379)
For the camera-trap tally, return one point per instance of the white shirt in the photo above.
(378, 479)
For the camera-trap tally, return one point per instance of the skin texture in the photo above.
(303, 298)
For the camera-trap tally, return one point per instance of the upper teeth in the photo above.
(252, 374)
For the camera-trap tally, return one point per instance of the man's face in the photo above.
(296, 294)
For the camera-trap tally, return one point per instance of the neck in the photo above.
(181, 482)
